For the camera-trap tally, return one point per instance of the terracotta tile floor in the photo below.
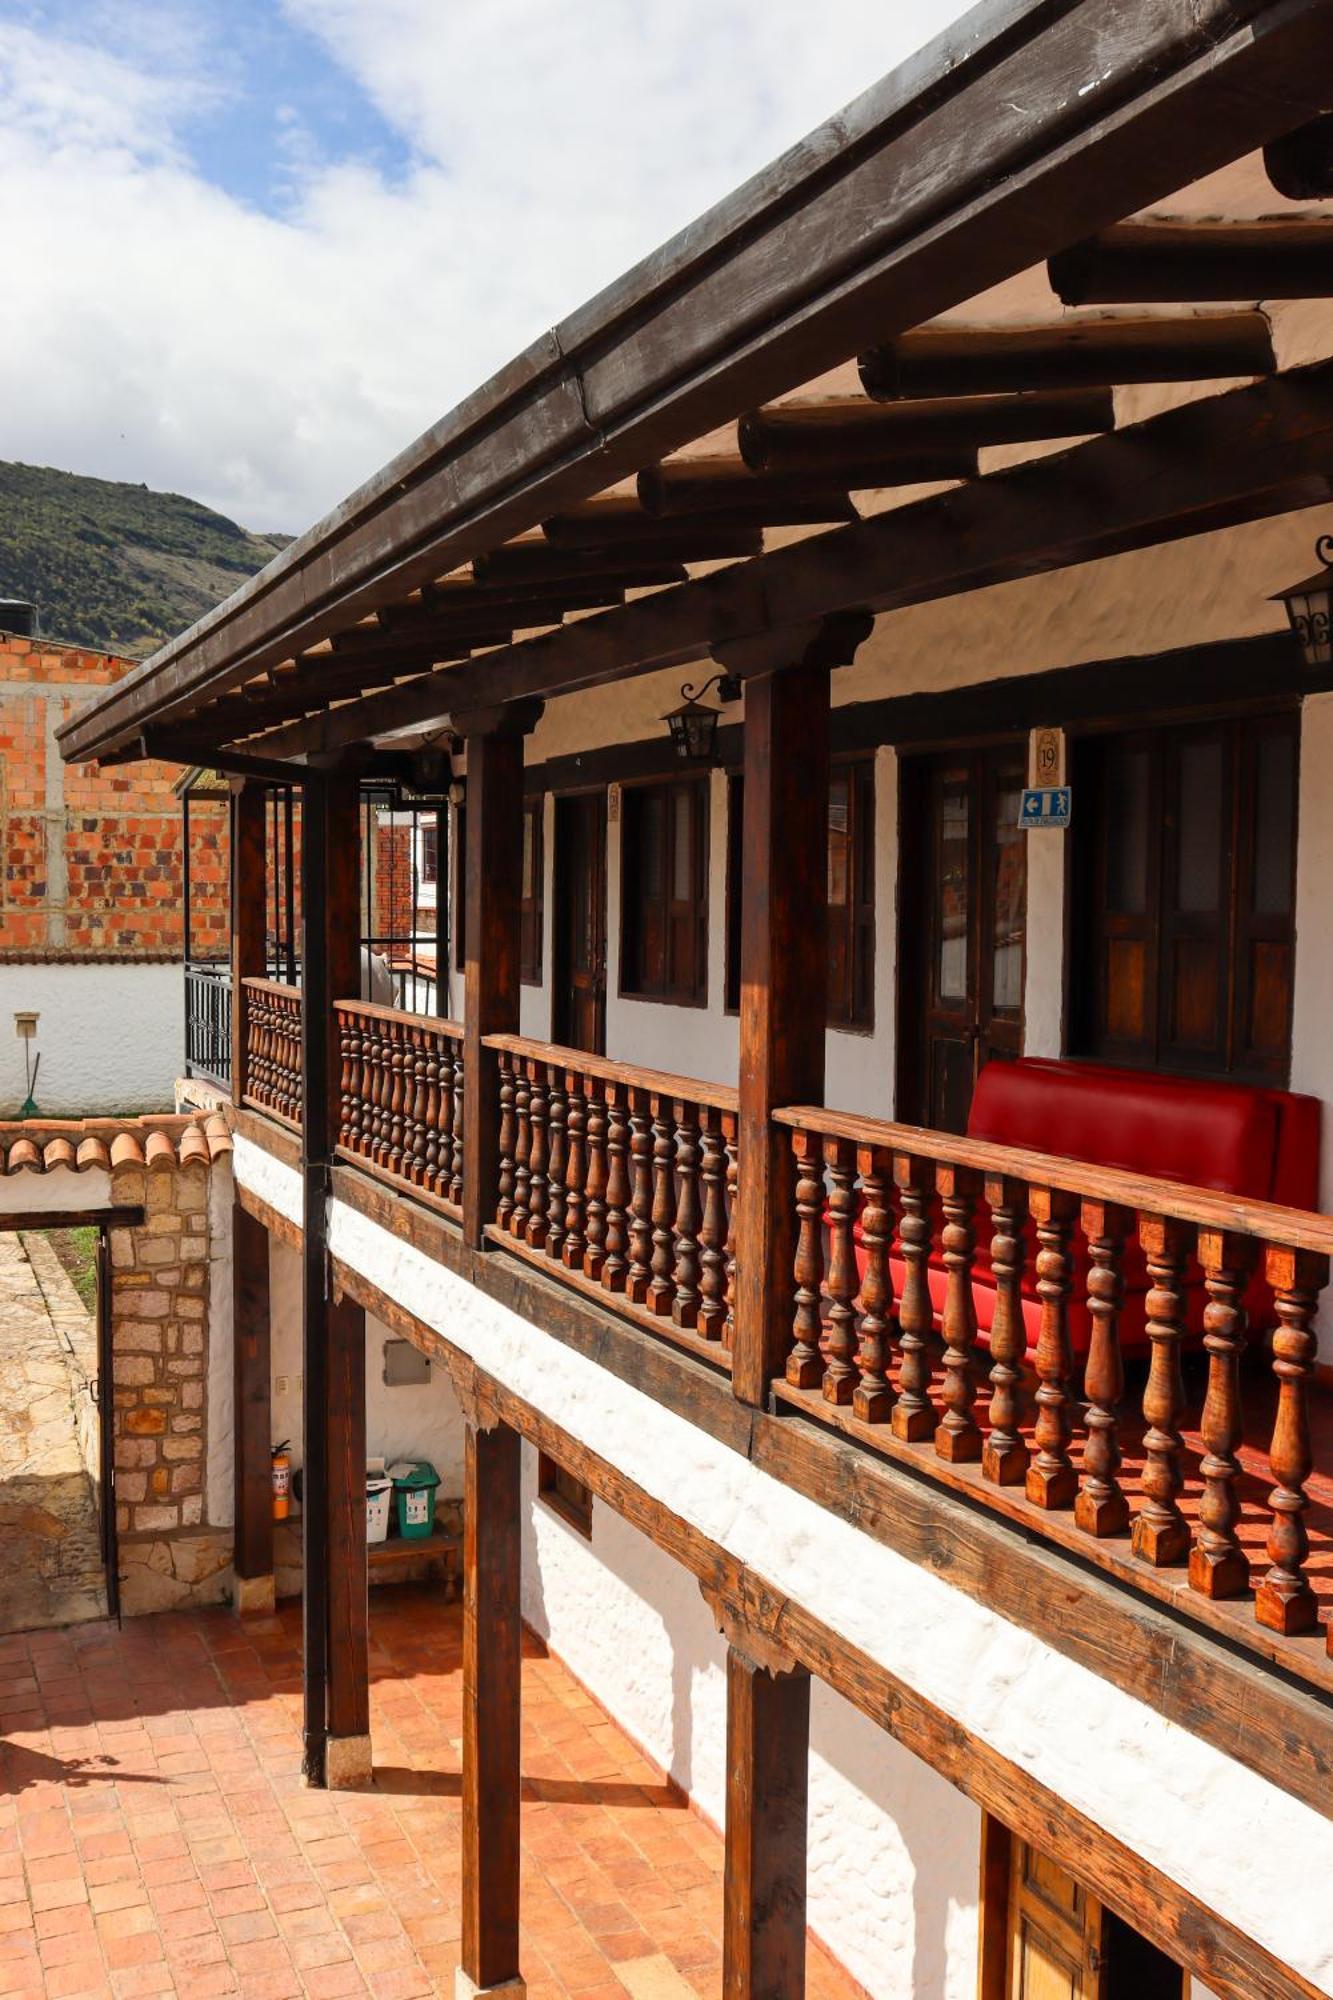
(155, 1837)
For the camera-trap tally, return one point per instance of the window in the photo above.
(564, 1495)
(664, 892)
(458, 861)
(530, 906)
(429, 861)
(1185, 870)
(851, 893)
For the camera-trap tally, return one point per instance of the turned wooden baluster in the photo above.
(421, 1109)
(1219, 1566)
(518, 1219)
(872, 1399)
(347, 1084)
(557, 1159)
(729, 1121)
(576, 1169)
(661, 1289)
(688, 1217)
(432, 1116)
(614, 1260)
(537, 1189)
(639, 1277)
(1284, 1600)
(1004, 1455)
(713, 1227)
(805, 1363)
(446, 1120)
(958, 1435)
(456, 1143)
(1051, 1480)
(913, 1416)
(398, 1098)
(504, 1206)
(379, 1126)
(840, 1286)
(1160, 1534)
(595, 1181)
(1101, 1508)
(414, 1139)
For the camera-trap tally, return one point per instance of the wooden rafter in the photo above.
(1161, 262)
(835, 435)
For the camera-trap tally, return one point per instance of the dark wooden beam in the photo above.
(249, 944)
(347, 1756)
(955, 359)
(1242, 455)
(834, 434)
(726, 485)
(1150, 262)
(492, 1698)
(1300, 163)
(253, 1557)
(491, 987)
(768, 1764)
(534, 562)
(530, 601)
(621, 528)
(970, 163)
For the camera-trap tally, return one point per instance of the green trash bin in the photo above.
(415, 1484)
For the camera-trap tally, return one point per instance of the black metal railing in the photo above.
(208, 1022)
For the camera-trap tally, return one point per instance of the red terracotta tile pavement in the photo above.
(156, 1839)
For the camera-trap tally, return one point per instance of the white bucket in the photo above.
(378, 1494)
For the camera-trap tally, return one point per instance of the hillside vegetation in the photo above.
(117, 567)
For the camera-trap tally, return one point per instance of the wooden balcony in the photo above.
(1198, 1469)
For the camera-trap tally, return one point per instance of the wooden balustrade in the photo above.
(623, 1178)
(272, 1028)
(885, 1340)
(402, 1096)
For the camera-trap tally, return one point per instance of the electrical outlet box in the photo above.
(405, 1366)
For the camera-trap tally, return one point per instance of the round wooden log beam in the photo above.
(1160, 262)
(936, 438)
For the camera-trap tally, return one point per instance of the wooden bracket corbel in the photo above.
(477, 1395)
(749, 1615)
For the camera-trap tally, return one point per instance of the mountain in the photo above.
(117, 567)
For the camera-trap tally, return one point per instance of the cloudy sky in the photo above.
(252, 247)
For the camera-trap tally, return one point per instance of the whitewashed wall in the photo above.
(112, 1037)
(408, 1422)
(894, 1850)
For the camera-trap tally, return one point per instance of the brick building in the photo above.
(93, 878)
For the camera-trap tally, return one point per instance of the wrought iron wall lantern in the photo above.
(1310, 608)
(693, 725)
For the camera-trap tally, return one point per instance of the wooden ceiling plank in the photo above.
(961, 360)
(1241, 455)
(961, 169)
(827, 433)
(1158, 263)
(533, 562)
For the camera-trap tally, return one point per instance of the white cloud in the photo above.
(152, 327)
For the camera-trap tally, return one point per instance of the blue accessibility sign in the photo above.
(1053, 807)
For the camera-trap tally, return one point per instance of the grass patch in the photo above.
(77, 1251)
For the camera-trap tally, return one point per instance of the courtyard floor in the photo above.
(155, 1837)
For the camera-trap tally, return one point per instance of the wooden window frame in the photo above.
(858, 915)
(673, 991)
(532, 909)
(458, 873)
(564, 1494)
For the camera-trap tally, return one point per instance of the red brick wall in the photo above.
(92, 860)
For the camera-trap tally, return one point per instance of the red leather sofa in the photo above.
(1229, 1137)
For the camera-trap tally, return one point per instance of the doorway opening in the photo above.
(579, 931)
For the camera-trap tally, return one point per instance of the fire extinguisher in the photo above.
(282, 1480)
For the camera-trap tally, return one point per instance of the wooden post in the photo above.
(494, 876)
(334, 1401)
(248, 889)
(491, 1705)
(768, 1760)
(253, 1558)
(784, 959)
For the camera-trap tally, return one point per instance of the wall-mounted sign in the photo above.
(1048, 757)
(1047, 806)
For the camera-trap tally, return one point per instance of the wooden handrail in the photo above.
(663, 1083)
(276, 989)
(1293, 1228)
(375, 1010)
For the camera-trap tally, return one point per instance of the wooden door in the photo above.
(1055, 1932)
(963, 923)
(580, 922)
(106, 1433)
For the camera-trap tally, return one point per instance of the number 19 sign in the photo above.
(1046, 807)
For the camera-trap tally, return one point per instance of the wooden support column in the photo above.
(784, 961)
(253, 1558)
(494, 884)
(248, 885)
(492, 1660)
(768, 1762)
(336, 1668)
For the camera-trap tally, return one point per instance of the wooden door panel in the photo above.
(1055, 1934)
(580, 922)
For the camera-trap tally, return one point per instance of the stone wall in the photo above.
(171, 1552)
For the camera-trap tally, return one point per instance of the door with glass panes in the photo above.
(963, 912)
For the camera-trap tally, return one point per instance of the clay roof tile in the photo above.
(158, 1150)
(24, 1153)
(58, 1153)
(126, 1150)
(92, 1153)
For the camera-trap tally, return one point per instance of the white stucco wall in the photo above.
(1163, 1792)
(111, 1037)
(64, 1191)
(893, 1849)
(219, 1472)
(408, 1422)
